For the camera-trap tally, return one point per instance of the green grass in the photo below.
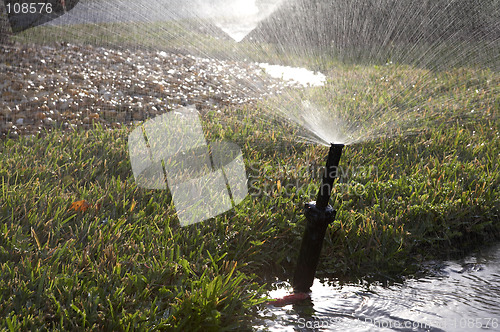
(126, 264)
(117, 267)
(129, 265)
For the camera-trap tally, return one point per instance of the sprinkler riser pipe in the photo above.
(318, 216)
(312, 242)
(331, 170)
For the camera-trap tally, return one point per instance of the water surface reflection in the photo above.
(459, 295)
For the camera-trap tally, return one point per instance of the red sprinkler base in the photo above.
(289, 299)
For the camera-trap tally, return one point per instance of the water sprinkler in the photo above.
(319, 214)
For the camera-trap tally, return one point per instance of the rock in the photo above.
(40, 115)
(48, 121)
(56, 83)
(137, 115)
(6, 111)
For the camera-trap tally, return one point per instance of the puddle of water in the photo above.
(457, 296)
(296, 75)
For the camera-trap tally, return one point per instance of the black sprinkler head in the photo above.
(319, 215)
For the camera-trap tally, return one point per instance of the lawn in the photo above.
(427, 189)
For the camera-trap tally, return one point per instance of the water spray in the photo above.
(319, 214)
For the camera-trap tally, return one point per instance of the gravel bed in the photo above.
(69, 86)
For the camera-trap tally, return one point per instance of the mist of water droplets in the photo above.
(425, 36)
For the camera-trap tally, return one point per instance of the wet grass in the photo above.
(126, 264)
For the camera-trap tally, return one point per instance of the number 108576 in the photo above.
(29, 8)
